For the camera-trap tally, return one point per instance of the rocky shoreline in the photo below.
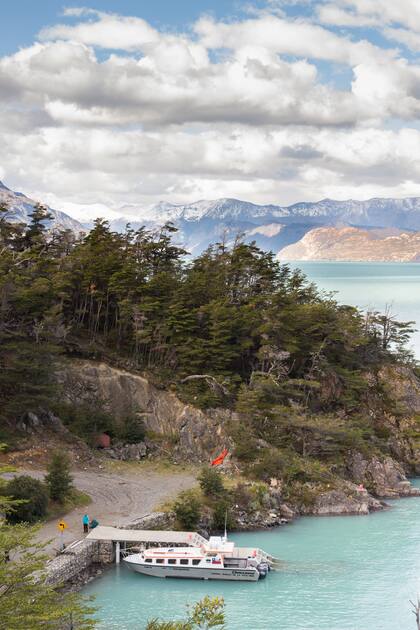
(92, 559)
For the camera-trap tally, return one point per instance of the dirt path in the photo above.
(117, 498)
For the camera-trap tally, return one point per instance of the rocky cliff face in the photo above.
(196, 436)
(354, 244)
(189, 431)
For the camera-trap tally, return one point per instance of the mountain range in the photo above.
(20, 207)
(272, 227)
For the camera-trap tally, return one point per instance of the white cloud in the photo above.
(286, 36)
(107, 109)
(107, 31)
(371, 13)
(409, 38)
(175, 84)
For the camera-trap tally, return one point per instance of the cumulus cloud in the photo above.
(107, 109)
(107, 31)
(370, 12)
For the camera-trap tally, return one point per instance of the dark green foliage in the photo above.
(211, 482)
(26, 382)
(222, 514)
(234, 315)
(87, 419)
(205, 614)
(59, 480)
(132, 430)
(232, 328)
(187, 509)
(33, 495)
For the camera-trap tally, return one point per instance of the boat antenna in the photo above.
(225, 536)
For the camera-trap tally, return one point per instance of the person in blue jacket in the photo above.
(85, 521)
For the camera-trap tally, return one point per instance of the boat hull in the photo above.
(195, 573)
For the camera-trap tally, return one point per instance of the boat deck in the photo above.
(162, 537)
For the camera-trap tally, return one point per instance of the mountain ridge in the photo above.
(352, 244)
(273, 227)
(20, 207)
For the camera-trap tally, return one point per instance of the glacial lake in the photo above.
(372, 286)
(339, 573)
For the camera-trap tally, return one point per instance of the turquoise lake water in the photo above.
(372, 286)
(339, 573)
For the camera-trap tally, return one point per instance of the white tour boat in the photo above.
(218, 559)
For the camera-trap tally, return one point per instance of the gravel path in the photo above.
(117, 498)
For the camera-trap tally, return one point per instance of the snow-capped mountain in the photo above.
(20, 207)
(373, 212)
(272, 227)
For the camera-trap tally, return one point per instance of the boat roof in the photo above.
(186, 552)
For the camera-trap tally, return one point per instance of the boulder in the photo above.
(339, 502)
(127, 452)
(383, 477)
(31, 423)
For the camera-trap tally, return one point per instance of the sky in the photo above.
(118, 105)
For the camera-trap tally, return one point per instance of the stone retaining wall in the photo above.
(77, 558)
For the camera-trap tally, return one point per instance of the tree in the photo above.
(59, 480)
(35, 231)
(205, 614)
(222, 515)
(415, 609)
(211, 482)
(31, 496)
(25, 600)
(187, 510)
(389, 331)
(133, 430)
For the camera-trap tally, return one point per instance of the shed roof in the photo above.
(103, 532)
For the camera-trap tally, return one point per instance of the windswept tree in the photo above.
(205, 614)
(26, 601)
(59, 480)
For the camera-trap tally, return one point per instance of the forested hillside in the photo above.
(232, 328)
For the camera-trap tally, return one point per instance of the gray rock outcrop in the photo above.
(188, 430)
(384, 478)
(340, 502)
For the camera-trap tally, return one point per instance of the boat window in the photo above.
(171, 561)
(195, 562)
(208, 560)
(148, 560)
(183, 561)
(159, 560)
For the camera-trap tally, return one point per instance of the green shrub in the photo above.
(222, 513)
(270, 464)
(301, 494)
(34, 497)
(246, 449)
(87, 420)
(211, 482)
(187, 510)
(59, 480)
(132, 430)
(383, 432)
(242, 496)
